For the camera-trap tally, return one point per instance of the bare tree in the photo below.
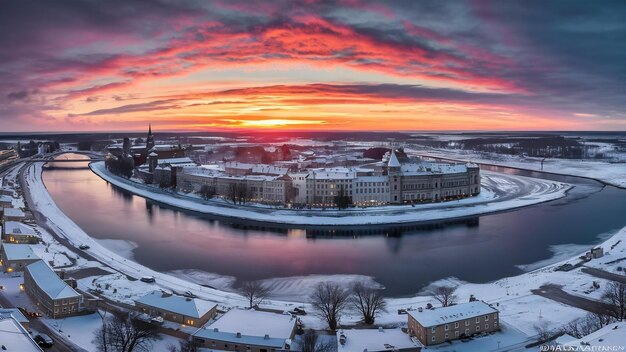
(615, 295)
(207, 192)
(254, 292)
(122, 333)
(368, 301)
(445, 295)
(311, 343)
(188, 345)
(330, 300)
(543, 331)
(592, 322)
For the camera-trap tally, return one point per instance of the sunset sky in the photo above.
(116, 65)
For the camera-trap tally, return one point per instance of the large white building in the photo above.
(391, 182)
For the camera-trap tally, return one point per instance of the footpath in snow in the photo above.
(499, 192)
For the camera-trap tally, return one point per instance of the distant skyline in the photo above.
(70, 65)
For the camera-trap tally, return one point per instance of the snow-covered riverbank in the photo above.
(609, 173)
(520, 309)
(500, 192)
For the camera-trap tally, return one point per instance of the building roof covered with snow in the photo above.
(414, 169)
(49, 282)
(190, 307)
(610, 335)
(393, 160)
(15, 313)
(18, 251)
(13, 213)
(17, 228)
(6, 199)
(445, 315)
(373, 340)
(13, 337)
(250, 327)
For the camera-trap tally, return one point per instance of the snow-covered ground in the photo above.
(610, 173)
(499, 192)
(520, 309)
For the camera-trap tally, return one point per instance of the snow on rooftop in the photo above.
(18, 251)
(373, 340)
(49, 281)
(14, 338)
(14, 227)
(13, 212)
(610, 335)
(190, 307)
(254, 327)
(393, 160)
(444, 315)
(14, 313)
(5, 199)
(430, 168)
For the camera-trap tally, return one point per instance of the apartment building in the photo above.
(438, 325)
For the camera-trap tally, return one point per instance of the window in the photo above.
(495, 316)
(466, 332)
(456, 334)
(486, 318)
(447, 336)
(477, 320)
(477, 327)
(467, 323)
(447, 327)
(433, 339)
(433, 329)
(456, 325)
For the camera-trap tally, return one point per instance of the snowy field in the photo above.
(610, 173)
(499, 192)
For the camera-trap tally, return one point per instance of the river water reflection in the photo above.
(403, 258)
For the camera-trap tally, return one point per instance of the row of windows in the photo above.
(467, 331)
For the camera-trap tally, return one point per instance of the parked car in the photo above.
(83, 247)
(44, 340)
(298, 311)
(148, 279)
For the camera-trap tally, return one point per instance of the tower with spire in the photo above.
(150, 139)
(395, 181)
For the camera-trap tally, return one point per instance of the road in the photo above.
(556, 293)
(602, 274)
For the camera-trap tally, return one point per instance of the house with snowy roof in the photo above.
(249, 330)
(52, 295)
(12, 214)
(15, 257)
(376, 340)
(14, 337)
(437, 325)
(6, 201)
(178, 309)
(16, 232)
(16, 314)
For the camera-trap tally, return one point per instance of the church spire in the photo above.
(150, 139)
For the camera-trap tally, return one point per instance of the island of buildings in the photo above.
(302, 181)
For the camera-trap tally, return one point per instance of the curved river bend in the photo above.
(404, 259)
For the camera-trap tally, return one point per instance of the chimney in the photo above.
(238, 335)
(380, 329)
(216, 330)
(266, 337)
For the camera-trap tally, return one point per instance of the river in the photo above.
(402, 258)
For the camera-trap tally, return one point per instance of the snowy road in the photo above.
(500, 192)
